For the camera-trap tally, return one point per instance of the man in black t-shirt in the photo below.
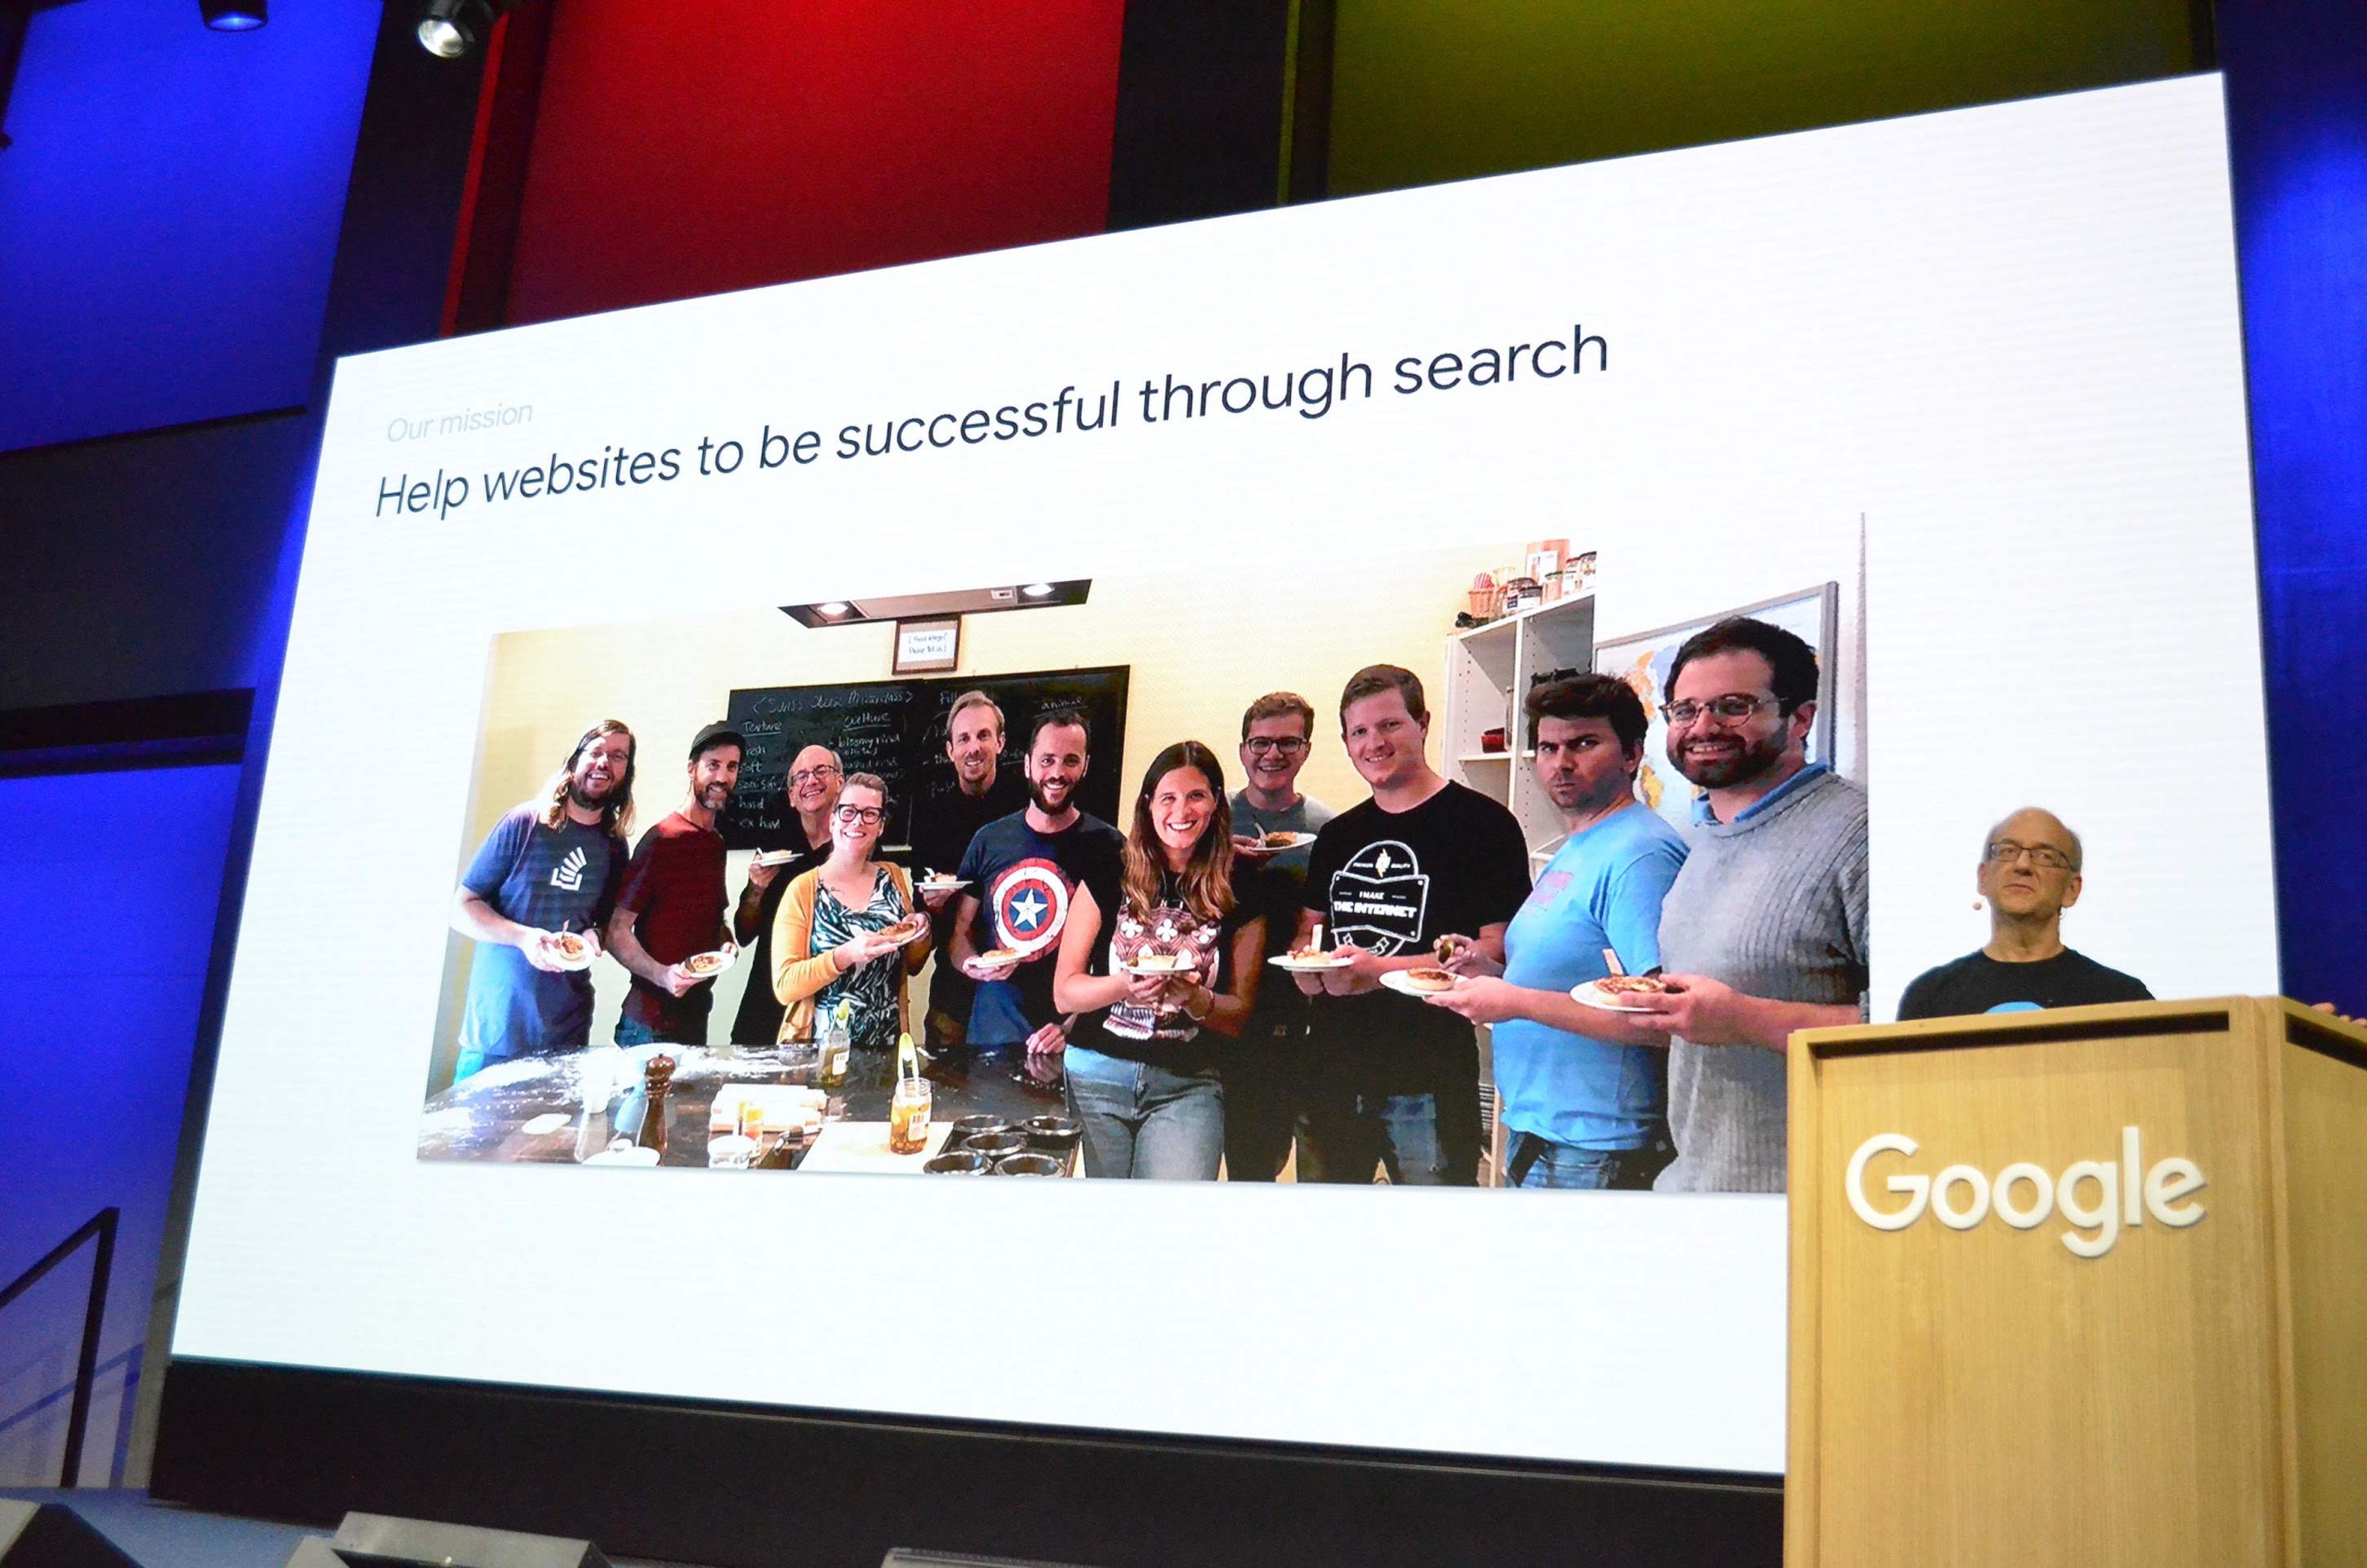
(1393, 1081)
(2030, 875)
(944, 823)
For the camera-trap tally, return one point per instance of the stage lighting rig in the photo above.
(234, 15)
(452, 27)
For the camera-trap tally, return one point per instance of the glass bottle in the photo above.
(596, 1083)
(908, 1111)
(831, 1045)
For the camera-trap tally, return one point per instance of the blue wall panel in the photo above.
(111, 882)
(2297, 126)
(169, 212)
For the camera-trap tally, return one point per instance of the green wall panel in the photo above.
(1430, 90)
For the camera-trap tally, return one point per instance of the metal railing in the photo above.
(102, 1226)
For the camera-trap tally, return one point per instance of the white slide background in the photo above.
(2007, 338)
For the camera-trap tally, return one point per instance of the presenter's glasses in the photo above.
(2005, 851)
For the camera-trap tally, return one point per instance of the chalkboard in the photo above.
(896, 729)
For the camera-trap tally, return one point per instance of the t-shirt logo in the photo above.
(568, 874)
(1379, 898)
(1548, 888)
(1030, 899)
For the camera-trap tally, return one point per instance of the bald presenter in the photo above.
(2029, 875)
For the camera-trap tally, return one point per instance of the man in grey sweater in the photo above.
(1763, 931)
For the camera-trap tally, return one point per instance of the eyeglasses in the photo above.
(1732, 709)
(1289, 745)
(813, 775)
(869, 815)
(2005, 851)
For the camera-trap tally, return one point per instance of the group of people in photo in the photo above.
(1131, 963)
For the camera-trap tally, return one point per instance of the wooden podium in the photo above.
(2083, 1286)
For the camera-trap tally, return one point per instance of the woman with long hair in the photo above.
(1161, 954)
(841, 935)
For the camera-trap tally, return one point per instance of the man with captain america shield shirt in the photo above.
(1022, 870)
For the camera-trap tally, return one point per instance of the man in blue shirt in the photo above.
(1582, 1091)
(551, 867)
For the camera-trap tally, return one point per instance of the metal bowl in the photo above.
(1052, 1134)
(970, 1127)
(958, 1162)
(994, 1146)
(1031, 1165)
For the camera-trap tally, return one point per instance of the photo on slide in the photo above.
(1185, 875)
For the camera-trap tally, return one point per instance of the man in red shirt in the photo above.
(671, 905)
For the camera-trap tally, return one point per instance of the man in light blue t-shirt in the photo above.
(1582, 1092)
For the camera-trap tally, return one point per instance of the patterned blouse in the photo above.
(874, 1019)
(1169, 928)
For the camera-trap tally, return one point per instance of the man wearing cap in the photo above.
(671, 905)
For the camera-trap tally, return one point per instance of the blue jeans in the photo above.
(1348, 1136)
(632, 1032)
(1569, 1167)
(1145, 1121)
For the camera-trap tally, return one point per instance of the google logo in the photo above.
(2023, 1194)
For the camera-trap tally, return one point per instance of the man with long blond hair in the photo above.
(549, 870)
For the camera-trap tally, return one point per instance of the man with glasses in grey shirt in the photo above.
(1764, 930)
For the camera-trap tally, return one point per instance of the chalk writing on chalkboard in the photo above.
(896, 729)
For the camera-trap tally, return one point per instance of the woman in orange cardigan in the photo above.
(842, 931)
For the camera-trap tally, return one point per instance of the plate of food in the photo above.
(707, 966)
(1310, 959)
(997, 958)
(1160, 964)
(1283, 839)
(569, 950)
(1617, 993)
(775, 857)
(1424, 982)
(908, 930)
(941, 882)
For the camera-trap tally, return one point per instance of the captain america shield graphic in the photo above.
(1031, 904)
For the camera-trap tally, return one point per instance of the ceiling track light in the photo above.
(234, 15)
(450, 28)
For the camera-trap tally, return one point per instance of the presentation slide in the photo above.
(1347, 737)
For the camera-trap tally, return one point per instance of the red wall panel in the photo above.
(688, 149)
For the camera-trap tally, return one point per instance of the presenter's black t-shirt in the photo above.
(1977, 983)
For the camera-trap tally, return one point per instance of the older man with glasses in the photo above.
(1764, 930)
(814, 779)
(2029, 875)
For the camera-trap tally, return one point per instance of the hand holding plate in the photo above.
(997, 965)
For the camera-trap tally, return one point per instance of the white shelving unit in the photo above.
(1489, 669)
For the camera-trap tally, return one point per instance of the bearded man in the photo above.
(549, 869)
(1763, 931)
(1022, 870)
